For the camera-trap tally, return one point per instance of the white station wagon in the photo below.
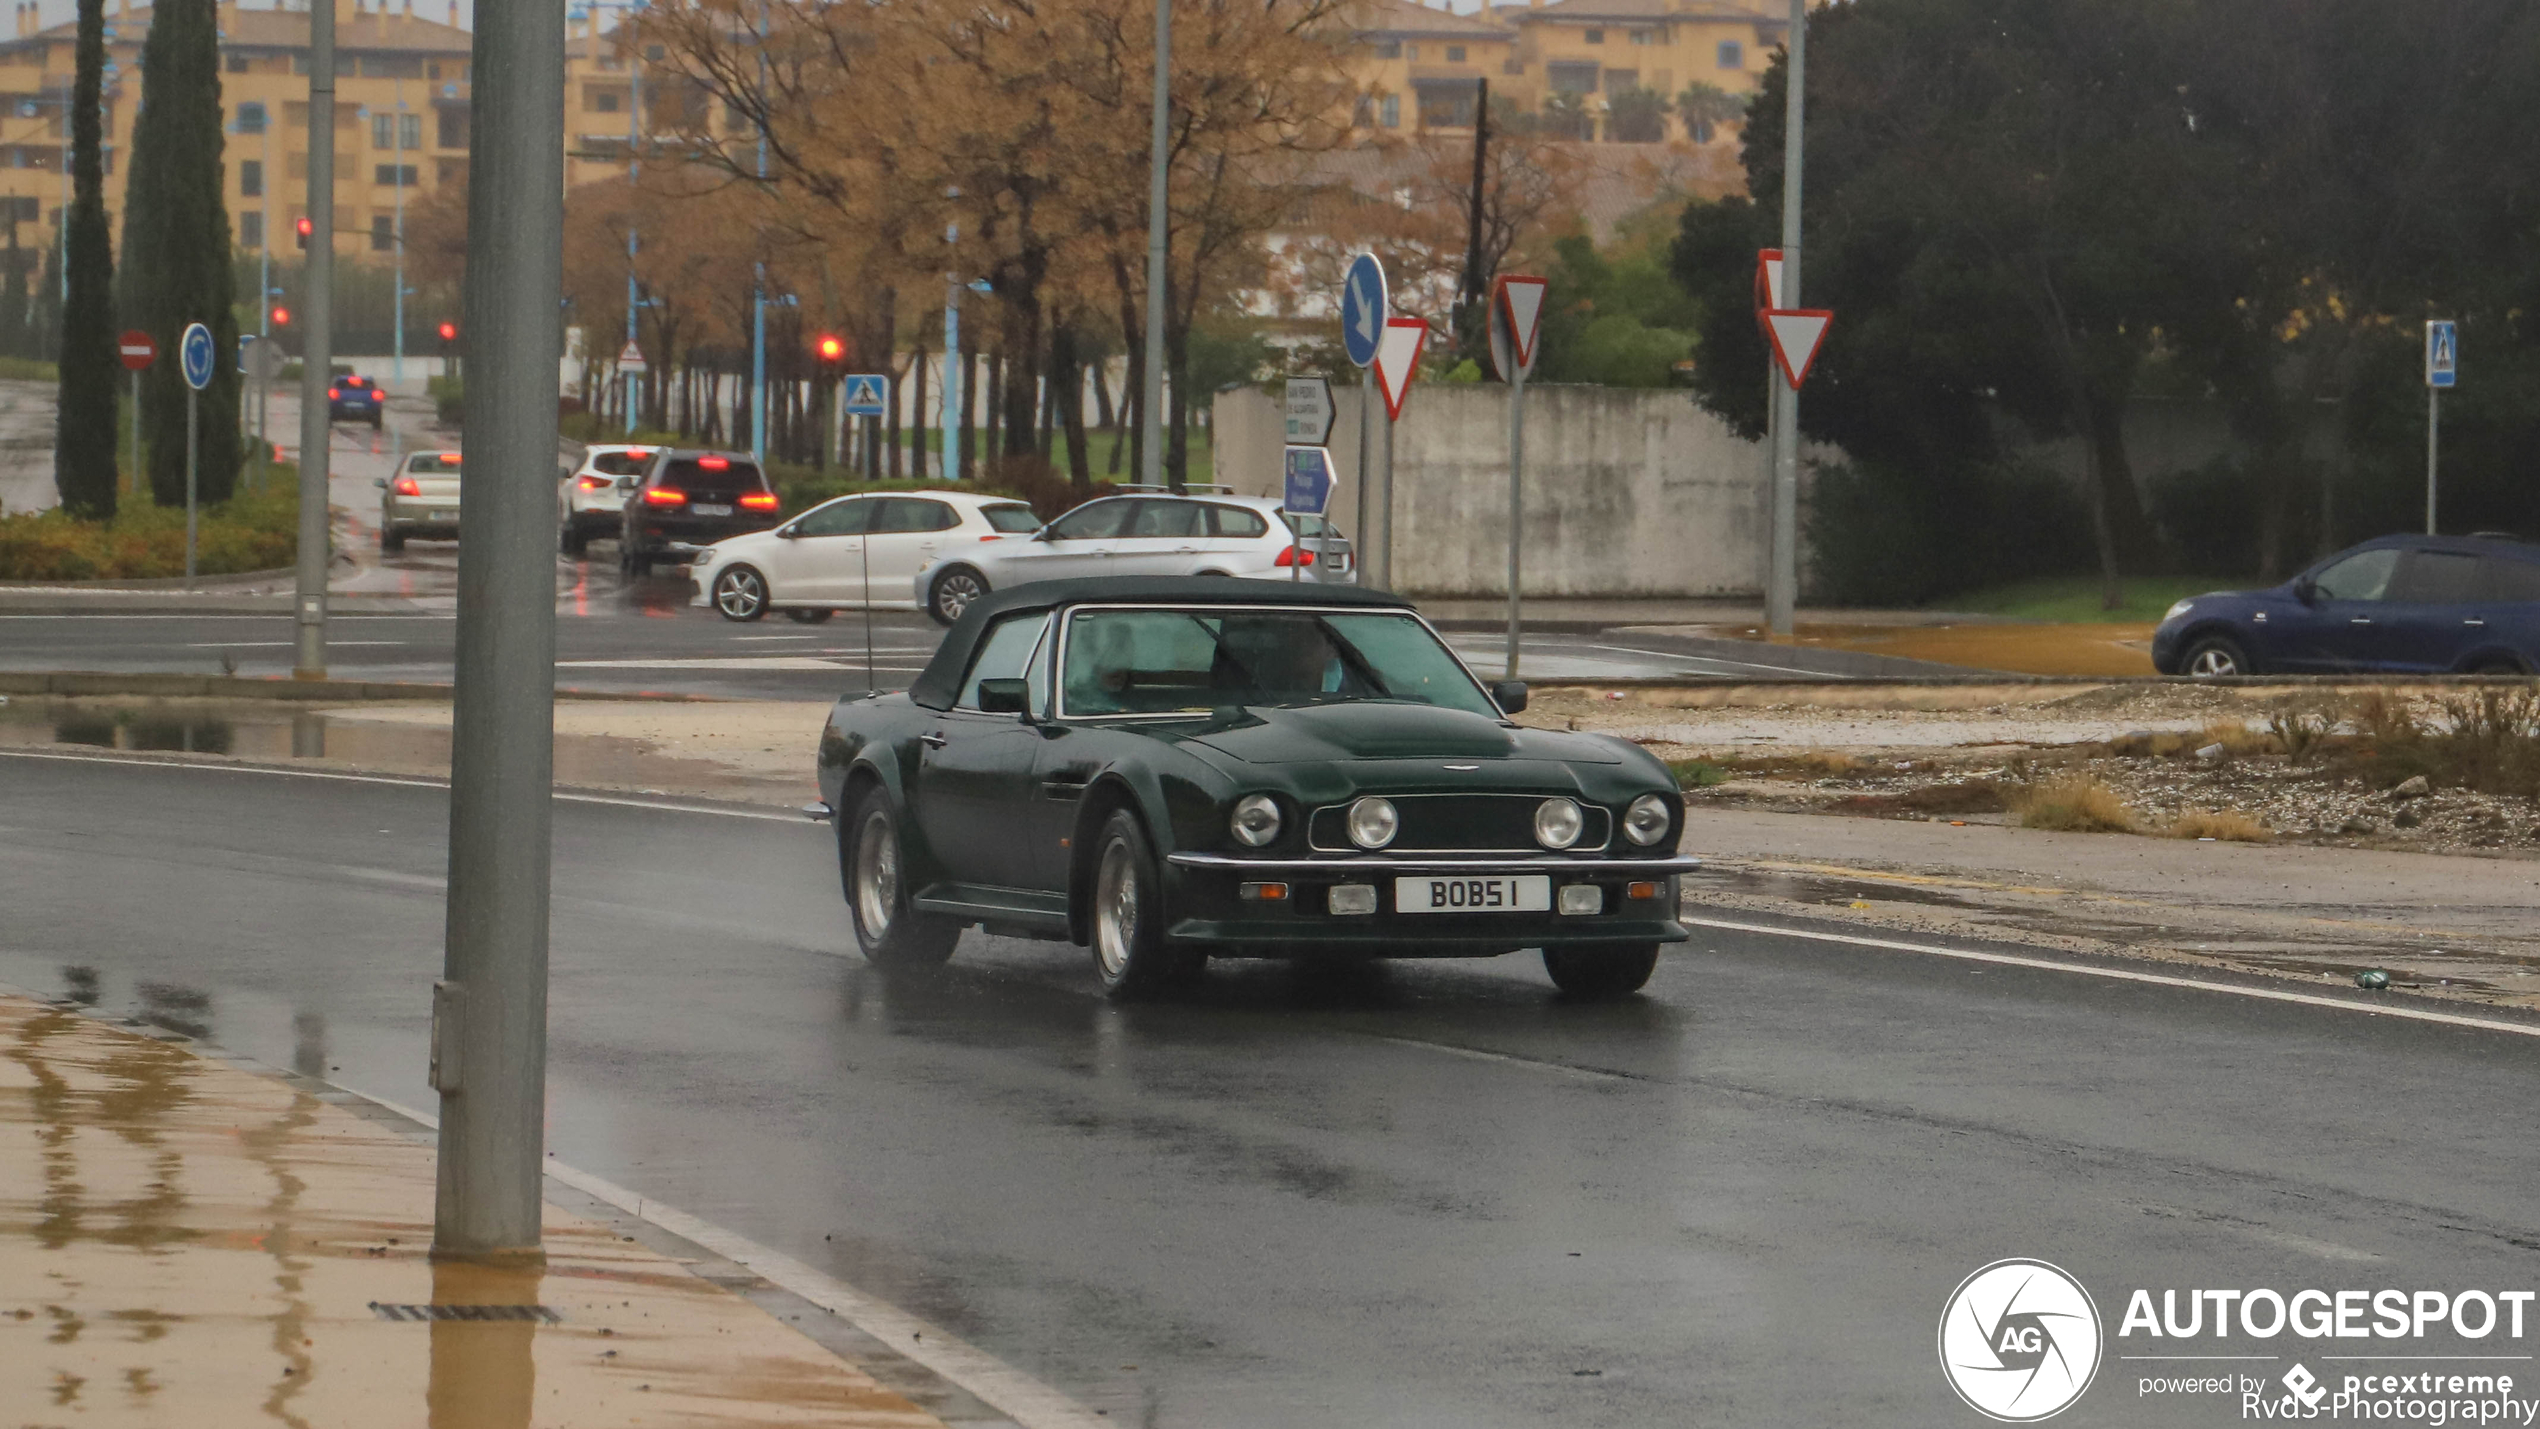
(849, 552)
(1149, 534)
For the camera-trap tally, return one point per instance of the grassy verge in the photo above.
(254, 531)
(28, 369)
(2075, 599)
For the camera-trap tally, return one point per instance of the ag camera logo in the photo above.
(2019, 1341)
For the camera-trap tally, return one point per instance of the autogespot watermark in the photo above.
(2020, 1340)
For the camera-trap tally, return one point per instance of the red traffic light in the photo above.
(306, 228)
(281, 317)
(832, 348)
(449, 332)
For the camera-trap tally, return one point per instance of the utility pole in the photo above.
(1476, 282)
(317, 354)
(489, 1038)
(397, 156)
(758, 275)
(634, 173)
(1781, 580)
(1151, 419)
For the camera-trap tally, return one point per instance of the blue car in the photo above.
(356, 399)
(2409, 604)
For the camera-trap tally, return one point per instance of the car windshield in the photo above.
(1205, 659)
(1017, 518)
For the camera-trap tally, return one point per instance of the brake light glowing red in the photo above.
(447, 458)
(713, 463)
(333, 392)
(593, 483)
(407, 486)
(665, 496)
(1291, 556)
(759, 500)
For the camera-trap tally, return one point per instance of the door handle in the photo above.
(2360, 620)
(2481, 624)
(933, 741)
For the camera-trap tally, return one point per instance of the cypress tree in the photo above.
(84, 435)
(176, 246)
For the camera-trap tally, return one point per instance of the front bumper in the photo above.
(1210, 908)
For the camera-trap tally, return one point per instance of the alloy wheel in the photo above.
(740, 594)
(877, 875)
(2213, 661)
(954, 593)
(1116, 908)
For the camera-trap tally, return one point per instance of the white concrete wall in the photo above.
(1628, 493)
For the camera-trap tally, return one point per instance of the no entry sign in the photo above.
(137, 349)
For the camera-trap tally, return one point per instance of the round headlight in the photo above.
(1373, 822)
(1256, 820)
(1557, 823)
(1645, 822)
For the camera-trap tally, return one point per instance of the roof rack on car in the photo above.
(1188, 486)
(2494, 536)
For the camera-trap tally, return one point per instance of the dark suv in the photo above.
(2420, 604)
(687, 499)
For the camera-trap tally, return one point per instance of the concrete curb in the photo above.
(71, 600)
(72, 683)
(156, 583)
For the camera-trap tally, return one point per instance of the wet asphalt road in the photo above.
(1426, 1194)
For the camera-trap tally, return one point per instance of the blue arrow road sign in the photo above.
(1309, 480)
(2442, 354)
(196, 351)
(1363, 309)
(868, 394)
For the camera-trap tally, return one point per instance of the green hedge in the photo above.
(256, 531)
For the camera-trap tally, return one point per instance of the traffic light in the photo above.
(281, 316)
(833, 350)
(449, 332)
(306, 227)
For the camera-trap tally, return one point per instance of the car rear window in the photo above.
(433, 464)
(620, 463)
(1311, 527)
(711, 473)
(1014, 518)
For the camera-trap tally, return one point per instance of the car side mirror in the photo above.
(1009, 696)
(1509, 695)
(2306, 591)
(564, 473)
(380, 481)
(788, 533)
(626, 483)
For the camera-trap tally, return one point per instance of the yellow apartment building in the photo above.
(1417, 64)
(401, 116)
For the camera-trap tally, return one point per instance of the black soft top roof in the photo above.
(936, 688)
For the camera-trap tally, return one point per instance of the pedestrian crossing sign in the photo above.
(867, 394)
(2442, 354)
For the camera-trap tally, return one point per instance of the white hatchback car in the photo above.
(591, 500)
(849, 552)
(1148, 534)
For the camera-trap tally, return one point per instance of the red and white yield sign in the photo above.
(137, 349)
(1398, 360)
(1795, 333)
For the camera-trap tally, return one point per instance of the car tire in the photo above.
(1601, 974)
(740, 593)
(391, 540)
(814, 616)
(573, 541)
(2498, 665)
(1126, 916)
(2214, 657)
(953, 591)
(631, 563)
(871, 869)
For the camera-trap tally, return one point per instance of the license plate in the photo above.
(702, 509)
(1526, 893)
(444, 515)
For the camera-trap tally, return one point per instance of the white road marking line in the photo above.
(1532, 1064)
(1027, 1401)
(561, 796)
(2263, 994)
(283, 644)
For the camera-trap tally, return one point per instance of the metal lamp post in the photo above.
(1151, 420)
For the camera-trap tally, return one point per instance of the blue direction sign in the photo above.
(1309, 480)
(195, 349)
(867, 394)
(2442, 354)
(1363, 309)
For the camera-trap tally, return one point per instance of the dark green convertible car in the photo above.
(1170, 769)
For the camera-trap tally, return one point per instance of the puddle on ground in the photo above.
(264, 732)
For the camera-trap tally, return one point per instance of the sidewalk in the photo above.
(183, 1241)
